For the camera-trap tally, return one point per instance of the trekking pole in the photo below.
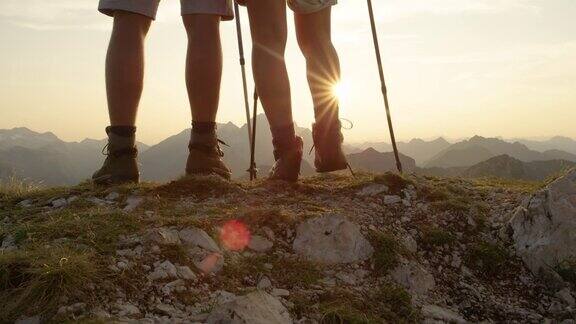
(383, 82)
(245, 88)
(243, 68)
(253, 170)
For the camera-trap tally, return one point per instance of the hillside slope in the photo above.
(331, 249)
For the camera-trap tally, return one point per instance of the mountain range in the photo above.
(43, 157)
(477, 149)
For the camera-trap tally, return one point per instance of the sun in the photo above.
(341, 90)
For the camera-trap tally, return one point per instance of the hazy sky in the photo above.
(454, 68)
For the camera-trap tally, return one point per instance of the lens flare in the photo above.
(234, 235)
(341, 90)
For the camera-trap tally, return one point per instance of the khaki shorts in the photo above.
(304, 6)
(310, 6)
(150, 7)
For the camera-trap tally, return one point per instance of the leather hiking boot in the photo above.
(288, 161)
(328, 141)
(120, 165)
(205, 157)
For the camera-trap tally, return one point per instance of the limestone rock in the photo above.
(197, 237)
(543, 229)
(433, 314)
(132, 203)
(332, 239)
(260, 244)
(255, 308)
(414, 277)
(372, 190)
(164, 236)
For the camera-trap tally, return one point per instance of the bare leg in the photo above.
(322, 64)
(203, 65)
(269, 35)
(125, 67)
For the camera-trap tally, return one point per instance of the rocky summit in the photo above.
(331, 249)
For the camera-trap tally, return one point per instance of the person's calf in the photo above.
(125, 67)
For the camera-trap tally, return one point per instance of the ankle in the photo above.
(283, 136)
(121, 137)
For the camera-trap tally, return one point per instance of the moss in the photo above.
(487, 258)
(433, 237)
(386, 252)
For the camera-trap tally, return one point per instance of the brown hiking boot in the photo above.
(206, 157)
(288, 161)
(120, 165)
(328, 141)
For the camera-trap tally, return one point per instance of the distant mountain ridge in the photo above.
(505, 166)
(420, 150)
(371, 160)
(43, 157)
(477, 149)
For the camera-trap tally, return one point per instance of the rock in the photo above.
(414, 278)
(410, 243)
(567, 297)
(331, 239)
(264, 283)
(112, 196)
(132, 203)
(8, 244)
(255, 308)
(208, 263)
(60, 202)
(280, 292)
(170, 269)
(164, 236)
(197, 237)
(28, 320)
(27, 203)
(185, 273)
(543, 228)
(260, 244)
(390, 200)
(372, 190)
(433, 312)
(127, 309)
(165, 309)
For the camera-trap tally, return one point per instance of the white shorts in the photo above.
(304, 6)
(150, 7)
(310, 6)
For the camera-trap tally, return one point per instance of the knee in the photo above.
(128, 24)
(202, 28)
(270, 39)
(313, 46)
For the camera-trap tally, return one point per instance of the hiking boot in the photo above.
(328, 141)
(205, 157)
(120, 165)
(288, 160)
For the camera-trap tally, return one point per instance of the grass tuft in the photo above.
(14, 188)
(386, 252)
(487, 258)
(33, 281)
(567, 270)
(433, 237)
(395, 182)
